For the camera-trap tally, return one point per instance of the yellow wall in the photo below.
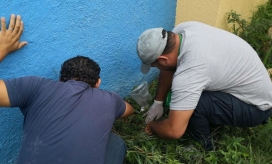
(213, 12)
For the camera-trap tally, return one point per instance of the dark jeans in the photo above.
(221, 108)
(116, 150)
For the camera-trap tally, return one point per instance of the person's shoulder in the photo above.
(109, 93)
(32, 77)
(35, 78)
(185, 25)
(29, 82)
(25, 78)
(190, 23)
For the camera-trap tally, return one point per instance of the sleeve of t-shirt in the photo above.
(120, 106)
(187, 87)
(22, 90)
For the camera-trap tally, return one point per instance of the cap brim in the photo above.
(145, 68)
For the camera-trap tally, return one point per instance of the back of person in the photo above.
(65, 122)
(216, 60)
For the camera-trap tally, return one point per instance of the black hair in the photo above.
(80, 68)
(170, 45)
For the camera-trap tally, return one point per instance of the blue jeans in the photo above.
(116, 150)
(221, 108)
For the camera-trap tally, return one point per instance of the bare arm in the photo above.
(10, 38)
(173, 127)
(164, 84)
(9, 42)
(129, 110)
(4, 99)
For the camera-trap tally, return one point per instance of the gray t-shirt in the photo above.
(216, 60)
(65, 122)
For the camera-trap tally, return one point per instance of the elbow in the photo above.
(131, 112)
(176, 134)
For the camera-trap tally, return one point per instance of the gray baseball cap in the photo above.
(150, 46)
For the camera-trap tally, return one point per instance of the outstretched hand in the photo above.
(10, 38)
(155, 111)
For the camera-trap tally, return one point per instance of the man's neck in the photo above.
(177, 45)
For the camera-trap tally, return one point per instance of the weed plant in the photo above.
(257, 32)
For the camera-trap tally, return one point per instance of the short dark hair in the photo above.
(80, 68)
(170, 45)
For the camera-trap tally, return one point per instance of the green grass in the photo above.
(233, 145)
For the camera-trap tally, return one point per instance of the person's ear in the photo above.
(162, 58)
(97, 83)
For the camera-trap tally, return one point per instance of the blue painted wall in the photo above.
(56, 30)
